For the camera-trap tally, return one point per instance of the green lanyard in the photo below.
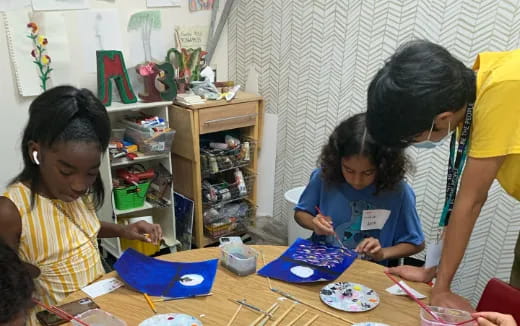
(458, 155)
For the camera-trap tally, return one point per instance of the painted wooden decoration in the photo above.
(159, 82)
(111, 66)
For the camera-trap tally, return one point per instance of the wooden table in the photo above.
(218, 310)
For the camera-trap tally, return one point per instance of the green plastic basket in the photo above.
(131, 196)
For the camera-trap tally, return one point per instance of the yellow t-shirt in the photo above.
(496, 117)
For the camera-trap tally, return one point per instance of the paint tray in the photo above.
(239, 258)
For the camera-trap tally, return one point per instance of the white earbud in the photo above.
(35, 157)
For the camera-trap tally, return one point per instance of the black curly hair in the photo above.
(351, 138)
(16, 285)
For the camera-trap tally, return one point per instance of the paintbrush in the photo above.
(335, 234)
(163, 299)
(310, 305)
(59, 312)
(250, 306)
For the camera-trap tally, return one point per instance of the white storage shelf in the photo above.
(164, 216)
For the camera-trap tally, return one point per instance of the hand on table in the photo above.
(494, 319)
(139, 230)
(322, 225)
(448, 299)
(413, 273)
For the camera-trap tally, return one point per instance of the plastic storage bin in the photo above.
(239, 258)
(450, 316)
(149, 141)
(99, 317)
(131, 196)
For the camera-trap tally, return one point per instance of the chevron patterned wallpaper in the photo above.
(315, 59)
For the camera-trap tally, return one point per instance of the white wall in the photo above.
(14, 108)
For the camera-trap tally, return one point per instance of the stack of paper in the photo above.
(189, 99)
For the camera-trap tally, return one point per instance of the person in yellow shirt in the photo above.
(422, 95)
(48, 212)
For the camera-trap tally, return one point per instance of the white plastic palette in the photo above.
(171, 320)
(351, 297)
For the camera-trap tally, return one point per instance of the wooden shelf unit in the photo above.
(244, 112)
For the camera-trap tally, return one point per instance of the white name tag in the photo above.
(433, 254)
(374, 219)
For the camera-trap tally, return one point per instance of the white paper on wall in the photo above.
(60, 4)
(193, 36)
(163, 3)
(8, 5)
(51, 25)
(99, 30)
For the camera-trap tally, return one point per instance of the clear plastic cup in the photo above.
(98, 317)
(449, 316)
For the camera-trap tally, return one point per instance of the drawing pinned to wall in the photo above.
(39, 53)
(163, 3)
(192, 36)
(145, 22)
(60, 4)
(97, 32)
(27, 71)
(196, 5)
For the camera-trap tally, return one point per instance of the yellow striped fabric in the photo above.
(67, 258)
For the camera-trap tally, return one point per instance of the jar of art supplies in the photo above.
(448, 316)
(145, 248)
(239, 258)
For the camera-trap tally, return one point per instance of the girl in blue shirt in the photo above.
(360, 192)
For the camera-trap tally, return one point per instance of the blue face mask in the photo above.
(428, 144)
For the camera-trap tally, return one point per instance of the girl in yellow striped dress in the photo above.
(48, 213)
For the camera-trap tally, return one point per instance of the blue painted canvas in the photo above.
(305, 261)
(169, 279)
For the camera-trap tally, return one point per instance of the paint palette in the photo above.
(351, 297)
(171, 320)
(369, 323)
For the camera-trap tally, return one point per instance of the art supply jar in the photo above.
(239, 258)
(449, 316)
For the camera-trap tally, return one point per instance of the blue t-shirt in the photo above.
(345, 205)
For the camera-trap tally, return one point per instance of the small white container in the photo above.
(98, 317)
(239, 258)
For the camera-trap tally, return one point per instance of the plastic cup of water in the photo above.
(448, 315)
(98, 317)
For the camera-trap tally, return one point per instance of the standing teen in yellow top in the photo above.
(420, 96)
(48, 212)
